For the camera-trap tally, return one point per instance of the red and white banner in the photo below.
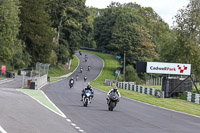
(3, 69)
(168, 68)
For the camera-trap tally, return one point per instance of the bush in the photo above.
(131, 74)
(53, 58)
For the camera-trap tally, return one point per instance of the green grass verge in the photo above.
(60, 71)
(158, 87)
(171, 103)
(2, 76)
(37, 94)
(54, 79)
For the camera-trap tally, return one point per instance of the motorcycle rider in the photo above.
(85, 78)
(81, 69)
(77, 77)
(89, 68)
(71, 81)
(86, 58)
(114, 89)
(87, 88)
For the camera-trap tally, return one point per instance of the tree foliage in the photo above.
(187, 31)
(71, 24)
(122, 28)
(11, 47)
(36, 30)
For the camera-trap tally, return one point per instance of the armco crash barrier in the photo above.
(137, 88)
(193, 97)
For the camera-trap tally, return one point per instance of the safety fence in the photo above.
(193, 97)
(154, 81)
(137, 88)
(110, 82)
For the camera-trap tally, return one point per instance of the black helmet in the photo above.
(89, 87)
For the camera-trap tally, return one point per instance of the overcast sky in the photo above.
(165, 8)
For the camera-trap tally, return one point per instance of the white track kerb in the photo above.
(2, 130)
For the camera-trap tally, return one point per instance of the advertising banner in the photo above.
(3, 69)
(168, 68)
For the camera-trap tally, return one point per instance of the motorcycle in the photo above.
(86, 58)
(77, 77)
(112, 101)
(88, 68)
(71, 85)
(85, 79)
(87, 98)
(81, 70)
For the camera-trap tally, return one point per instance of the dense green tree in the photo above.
(126, 39)
(187, 30)
(71, 24)
(10, 47)
(36, 30)
(131, 74)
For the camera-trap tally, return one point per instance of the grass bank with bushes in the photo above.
(61, 70)
(110, 64)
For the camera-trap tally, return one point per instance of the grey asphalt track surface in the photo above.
(21, 114)
(128, 117)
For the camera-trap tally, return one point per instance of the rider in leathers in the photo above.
(87, 88)
(113, 90)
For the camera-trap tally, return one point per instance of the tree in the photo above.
(11, 47)
(70, 21)
(131, 74)
(187, 30)
(36, 30)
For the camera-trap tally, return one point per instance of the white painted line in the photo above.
(162, 107)
(42, 86)
(44, 105)
(62, 114)
(77, 128)
(81, 131)
(5, 81)
(73, 124)
(101, 69)
(2, 130)
(68, 120)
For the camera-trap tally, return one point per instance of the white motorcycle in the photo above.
(87, 98)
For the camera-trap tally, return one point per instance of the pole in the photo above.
(124, 65)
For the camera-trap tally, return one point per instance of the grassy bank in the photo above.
(110, 64)
(61, 70)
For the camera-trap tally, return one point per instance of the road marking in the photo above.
(68, 120)
(2, 130)
(73, 124)
(5, 81)
(42, 86)
(154, 105)
(60, 114)
(162, 107)
(76, 127)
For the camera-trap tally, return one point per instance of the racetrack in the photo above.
(128, 117)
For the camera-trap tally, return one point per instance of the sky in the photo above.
(166, 9)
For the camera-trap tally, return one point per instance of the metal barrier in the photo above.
(34, 80)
